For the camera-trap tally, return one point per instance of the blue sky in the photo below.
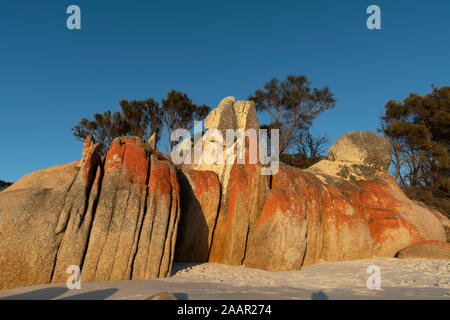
(51, 77)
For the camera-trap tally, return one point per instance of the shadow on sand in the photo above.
(93, 295)
(181, 296)
(40, 294)
(319, 295)
(52, 293)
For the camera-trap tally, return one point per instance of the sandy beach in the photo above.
(400, 279)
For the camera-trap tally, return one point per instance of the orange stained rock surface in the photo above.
(128, 154)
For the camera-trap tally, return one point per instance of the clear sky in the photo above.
(51, 77)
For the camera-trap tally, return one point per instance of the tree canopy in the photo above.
(142, 118)
(311, 145)
(4, 184)
(419, 130)
(180, 112)
(292, 106)
(104, 128)
(139, 118)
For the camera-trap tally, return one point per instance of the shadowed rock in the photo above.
(199, 206)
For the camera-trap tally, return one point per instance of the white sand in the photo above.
(400, 279)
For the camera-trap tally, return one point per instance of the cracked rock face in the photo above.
(116, 218)
(229, 115)
(200, 200)
(343, 208)
(296, 218)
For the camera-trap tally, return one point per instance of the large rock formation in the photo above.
(345, 207)
(426, 250)
(199, 204)
(241, 189)
(116, 218)
(362, 147)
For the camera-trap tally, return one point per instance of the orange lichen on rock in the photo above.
(228, 242)
(97, 213)
(127, 155)
(276, 201)
(159, 174)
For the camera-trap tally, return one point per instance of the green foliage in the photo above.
(104, 128)
(139, 118)
(180, 112)
(311, 145)
(142, 118)
(300, 160)
(419, 130)
(309, 150)
(426, 196)
(4, 185)
(292, 105)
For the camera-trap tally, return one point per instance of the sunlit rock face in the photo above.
(131, 213)
(116, 218)
(346, 207)
(426, 250)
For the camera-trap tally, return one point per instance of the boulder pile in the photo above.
(345, 207)
(130, 214)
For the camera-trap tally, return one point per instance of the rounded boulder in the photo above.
(362, 147)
